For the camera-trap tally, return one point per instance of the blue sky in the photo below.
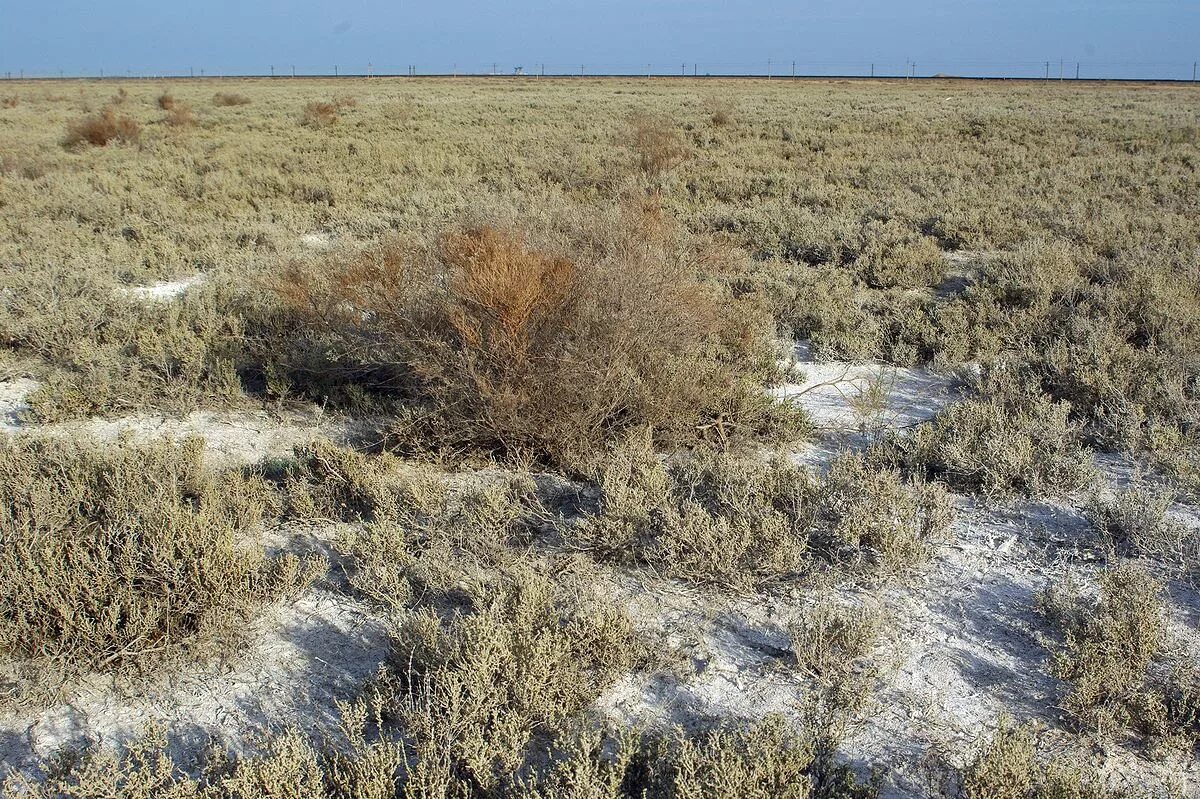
(1112, 38)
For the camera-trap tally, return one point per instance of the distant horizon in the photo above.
(1108, 39)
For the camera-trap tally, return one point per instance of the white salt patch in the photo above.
(14, 395)
(167, 290)
(316, 241)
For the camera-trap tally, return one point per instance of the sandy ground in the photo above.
(962, 646)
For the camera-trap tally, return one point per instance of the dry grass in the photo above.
(101, 129)
(10, 101)
(166, 101)
(120, 556)
(230, 99)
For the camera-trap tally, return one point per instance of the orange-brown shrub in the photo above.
(10, 101)
(548, 350)
(101, 128)
(166, 101)
(319, 114)
(656, 142)
(180, 116)
(229, 98)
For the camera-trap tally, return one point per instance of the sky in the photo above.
(1107, 38)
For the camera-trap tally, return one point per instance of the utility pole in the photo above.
(1047, 70)
(272, 70)
(872, 70)
(581, 71)
(493, 68)
(293, 70)
(1076, 70)
(695, 69)
(335, 71)
(368, 69)
(1060, 69)
(191, 72)
(647, 72)
(768, 69)
(1193, 72)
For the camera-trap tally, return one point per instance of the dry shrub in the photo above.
(721, 113)
(656, 142)
(894, 255)
(767, 759)
(744, 521)
(1136, 523)
(9, 101)
(1116, 657)
(166, 101)
(1008, 767)
(180, 116)
(120, 97)
(114, 555)
(101, 128)
(230, 99)
(476, 690)
(550, 350)
(319, 114)
(832, 645)
(1009, 440)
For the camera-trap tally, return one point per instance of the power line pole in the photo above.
(1060, 69)
(1193, 72)
(335, 71)
(368, 69)
(768, 69)
(1076, 70)
(1047, 70)
(272, 70)
(793, 70)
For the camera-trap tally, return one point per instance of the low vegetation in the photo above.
(1008, 767)
(1117, 658)
(1136, 523)
(230, 99)
(546, 343)
(120, 555)
(103, 128)
(1008, 440)
(742, 521)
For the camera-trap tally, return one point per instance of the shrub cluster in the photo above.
(742, 521)
(549, 348)
(102, 128)
(1115, 656)
(1009, 440)
(122, 554)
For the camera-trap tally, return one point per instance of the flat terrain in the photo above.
(565, 438)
